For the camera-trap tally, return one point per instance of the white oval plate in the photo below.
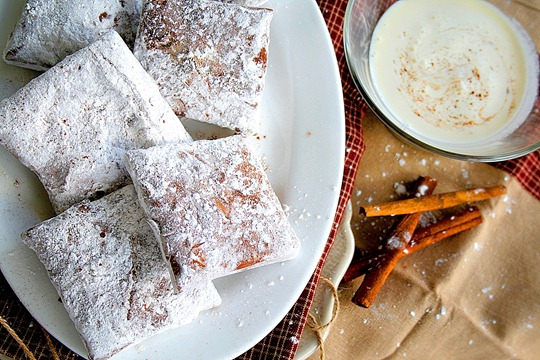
(303, 143)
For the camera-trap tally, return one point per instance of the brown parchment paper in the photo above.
(473, 296)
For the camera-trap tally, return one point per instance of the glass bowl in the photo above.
(361, 18)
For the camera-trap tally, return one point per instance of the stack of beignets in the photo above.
(132, 261)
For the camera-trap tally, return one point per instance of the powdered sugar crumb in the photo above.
(400, 189)
(393, 242)
(422, 190)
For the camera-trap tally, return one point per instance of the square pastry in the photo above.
(208, 58)
(48, 31)
(103, 259)
(72, 124)
(212, 206)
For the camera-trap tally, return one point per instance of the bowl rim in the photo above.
(408, 138)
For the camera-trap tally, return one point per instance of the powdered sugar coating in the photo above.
(72, 124)
(103, 260)
(208, 58)
(48, 31)
(213, 206)
(246, 2)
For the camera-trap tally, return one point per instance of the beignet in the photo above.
(72, 124)
(49, 30)
(208, 58)
(212, 207)
(104, 261)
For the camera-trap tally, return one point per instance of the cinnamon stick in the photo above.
(361, 266)
(423, 237)
(432, 202)
(433, 238)
(397, 242)
(444, 224)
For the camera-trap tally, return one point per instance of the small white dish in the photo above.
(334, 269)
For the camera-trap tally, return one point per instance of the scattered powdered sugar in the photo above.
(487, 291)
(509, 203)
(422, 189)
(286, 209)
(400, 189)
(488, 322)
(393, 242)
(441, 313)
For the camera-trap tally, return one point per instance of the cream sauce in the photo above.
(454, 71)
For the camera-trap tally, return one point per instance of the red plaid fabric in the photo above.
(282, 342)
(526, 170)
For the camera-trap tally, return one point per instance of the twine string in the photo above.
(313, 324)
(51, 345)
(19, 341)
